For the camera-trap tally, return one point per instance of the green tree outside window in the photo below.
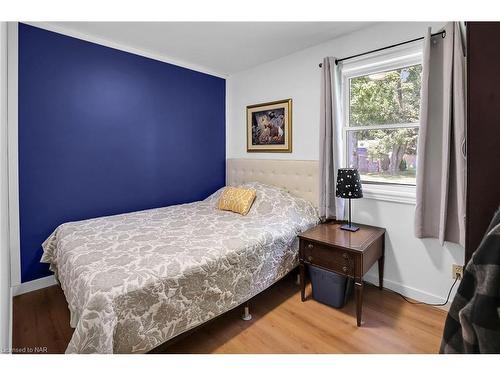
(386, 98)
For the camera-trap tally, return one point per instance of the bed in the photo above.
(136, 280)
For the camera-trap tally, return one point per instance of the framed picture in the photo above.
(269, 127)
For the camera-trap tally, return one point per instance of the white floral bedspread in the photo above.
(134, 281)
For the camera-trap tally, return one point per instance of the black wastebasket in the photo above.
(329, 287)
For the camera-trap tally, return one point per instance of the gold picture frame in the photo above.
(269, 126)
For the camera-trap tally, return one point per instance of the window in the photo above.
(382, 113)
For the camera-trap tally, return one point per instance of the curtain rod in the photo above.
(442, 33)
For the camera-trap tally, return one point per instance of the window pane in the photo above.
(386, 155)
(391, 97)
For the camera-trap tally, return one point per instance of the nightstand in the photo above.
(348, 253)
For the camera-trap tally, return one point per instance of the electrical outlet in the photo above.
(457, 271)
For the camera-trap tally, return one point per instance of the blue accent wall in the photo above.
(102, 132)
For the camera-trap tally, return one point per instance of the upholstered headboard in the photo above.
(299, 177)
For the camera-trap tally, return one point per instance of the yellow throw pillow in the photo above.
(235, 199)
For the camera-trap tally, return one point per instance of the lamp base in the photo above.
(350, 228)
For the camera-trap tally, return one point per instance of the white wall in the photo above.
(418, 268)
(5, 297)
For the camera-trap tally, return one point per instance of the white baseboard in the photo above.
(407, 291)
(413, 293)
(30, 286)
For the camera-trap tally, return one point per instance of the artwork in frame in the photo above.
(269, 127)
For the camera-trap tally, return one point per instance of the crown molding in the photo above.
(124, 47)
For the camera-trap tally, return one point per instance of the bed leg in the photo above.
(297, 280)
(246, 312)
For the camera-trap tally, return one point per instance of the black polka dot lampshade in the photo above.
(349, 183)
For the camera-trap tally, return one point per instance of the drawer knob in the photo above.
(344, 269)
(310, 246)
(345, 256)
(310, 258)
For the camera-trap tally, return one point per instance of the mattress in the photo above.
(136, 280)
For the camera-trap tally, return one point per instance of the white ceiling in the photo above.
(219, 47)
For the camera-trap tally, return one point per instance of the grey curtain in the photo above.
(440, 208)
(330, 141)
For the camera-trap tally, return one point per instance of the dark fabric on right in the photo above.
(473, 322)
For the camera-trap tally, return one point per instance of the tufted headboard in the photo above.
(299, 177)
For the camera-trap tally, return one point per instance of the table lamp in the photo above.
(349, 187)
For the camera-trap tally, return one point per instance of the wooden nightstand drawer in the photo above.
(334, 259)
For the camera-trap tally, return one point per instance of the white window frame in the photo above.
(391, 59)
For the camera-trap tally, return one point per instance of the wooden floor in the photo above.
(281, 324)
